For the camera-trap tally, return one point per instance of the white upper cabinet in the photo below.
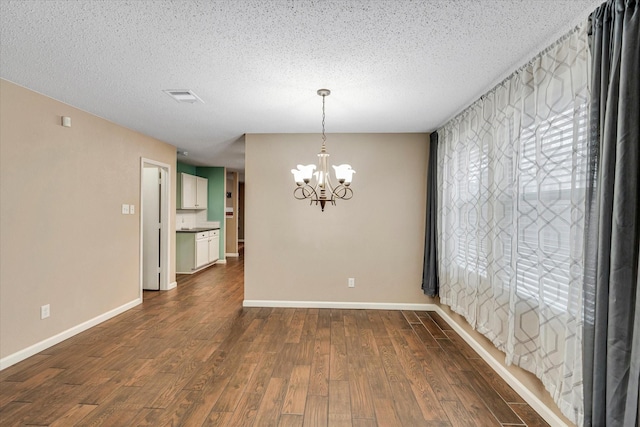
(201, 192)
(192, 192)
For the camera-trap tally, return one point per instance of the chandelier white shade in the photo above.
(314, 182)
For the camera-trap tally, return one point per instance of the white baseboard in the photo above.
(232, 254)
(19, 356)
(196, 270)
(221, 261)
(169, 286)
(336, 304)
(533, 401)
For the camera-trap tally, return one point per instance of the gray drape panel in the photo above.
(430, 270)
(612, 239)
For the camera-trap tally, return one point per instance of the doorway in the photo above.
(154, 226)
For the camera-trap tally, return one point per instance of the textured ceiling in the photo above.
(392, 65)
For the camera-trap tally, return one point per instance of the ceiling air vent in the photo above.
(183, 95)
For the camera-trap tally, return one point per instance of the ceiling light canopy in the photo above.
(321, 190)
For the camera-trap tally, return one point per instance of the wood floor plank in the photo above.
(262, 374)
(364, 422)
(310, 324)
(305, 347)
(98, 389)
(246, 411)
(424, 335)
(406, 405)
(146, 417)
(378, 380)
(234, 388)
(27, 368)
(436, 375)
(194, 356)
(14, 412)
(339, 398)
(285, 360)
(457, 413)
(497, 383)
(218, 419)
(475, 406)
(319, 379)
(463, 348)
(500, 409)
(368, 343)
(315, 411)
(385, 412)
(530, 417)
(456, 362)
(338, 366)
(15, 390)
(375, 321)
(430, 325)
(291, 420)
(391, 365)
(268, 413)
(121, 407)
(394, 320)
(438, 320)
(340, 420)
(425, 396)
(360, 392)
(296, 396)
(294, 330)
(411, 317)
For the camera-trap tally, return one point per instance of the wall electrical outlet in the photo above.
(352, 282)
(45, 311)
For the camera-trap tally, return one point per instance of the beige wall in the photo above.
(63, 239)
(298, 253)
(231, 229)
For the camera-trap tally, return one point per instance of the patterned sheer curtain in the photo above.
(511, 203)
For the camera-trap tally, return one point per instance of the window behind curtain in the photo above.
(511, 192)
(551, 165)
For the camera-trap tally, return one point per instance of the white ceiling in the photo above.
(392, 65)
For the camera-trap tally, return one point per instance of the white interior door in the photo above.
(152, 227)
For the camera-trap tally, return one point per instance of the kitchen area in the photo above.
(206, 213)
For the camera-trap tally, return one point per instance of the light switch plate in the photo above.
(125, 209)
(132, 209)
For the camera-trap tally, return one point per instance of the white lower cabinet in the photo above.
(202, 249)
(214, 245)
(195, 250)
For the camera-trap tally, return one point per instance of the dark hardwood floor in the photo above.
(193, 356)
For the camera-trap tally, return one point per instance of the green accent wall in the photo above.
(216, 198)
(185, 168)
(216, 177)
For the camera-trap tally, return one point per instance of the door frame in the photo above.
(165, 235)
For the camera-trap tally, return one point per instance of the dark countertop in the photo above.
(196, 230)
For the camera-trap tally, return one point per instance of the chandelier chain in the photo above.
(324, 138)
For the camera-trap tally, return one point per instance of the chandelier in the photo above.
(321, 190)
